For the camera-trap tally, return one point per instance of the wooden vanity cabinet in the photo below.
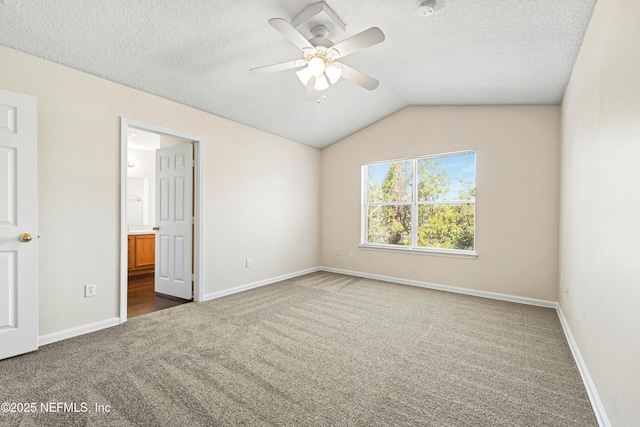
(141, 253)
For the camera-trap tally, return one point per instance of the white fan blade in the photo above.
(290, 33)
(360, 41)
(359, 78)
(280, 67)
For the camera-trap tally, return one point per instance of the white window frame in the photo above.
(413, 248)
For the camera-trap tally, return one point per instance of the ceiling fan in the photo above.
(318, 68)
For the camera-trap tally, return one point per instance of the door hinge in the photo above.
(193, 277)
(193, 220)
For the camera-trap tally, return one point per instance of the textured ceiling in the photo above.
(199, 52)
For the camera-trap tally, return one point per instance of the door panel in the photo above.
(8, 186)
(179, 258)
(18, 216)
(164, 199)
(162, 263)
(8, 289)
(179, 201)
(174, 237)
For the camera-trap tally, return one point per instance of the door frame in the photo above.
(198, 194)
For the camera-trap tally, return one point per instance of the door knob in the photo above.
(156, 228)
(26, 237)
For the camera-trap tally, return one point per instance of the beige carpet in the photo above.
(321, 349)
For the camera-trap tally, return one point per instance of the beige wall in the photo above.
(517, 196)
(262, 191)
(600, 212)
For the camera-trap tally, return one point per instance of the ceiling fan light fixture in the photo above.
(321, 83)
(333, 72)
(304, 75)
(316, 66)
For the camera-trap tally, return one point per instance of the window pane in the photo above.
(389, 225)
(389, 182)
(447, 177)
(446, 226)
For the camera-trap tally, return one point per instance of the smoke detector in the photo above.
(428, 7)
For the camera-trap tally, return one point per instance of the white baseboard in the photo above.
(446, 288)
(257, 284)
(78, 330)
(596, 403)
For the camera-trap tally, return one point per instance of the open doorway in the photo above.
(160, 230)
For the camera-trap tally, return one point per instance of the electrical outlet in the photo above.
(350, 254)
(90, 290)
(564, 286)
(338, 253)
(248, 263)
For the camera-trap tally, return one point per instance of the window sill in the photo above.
(451, 253)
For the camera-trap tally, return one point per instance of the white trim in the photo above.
(364, 217)
(446, 288)
(259, 283)
(415, 206)
(123, 218)
(78, 330)
(419, 251)
(198, 146)
(596, 403)
(198, 221)
(446, 202)
(451, 153)
(389, 204)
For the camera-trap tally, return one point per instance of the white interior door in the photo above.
(174, 219)
(18, 225)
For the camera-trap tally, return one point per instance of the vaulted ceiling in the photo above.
(199, 53)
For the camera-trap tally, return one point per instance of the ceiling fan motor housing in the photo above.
(320, 34)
